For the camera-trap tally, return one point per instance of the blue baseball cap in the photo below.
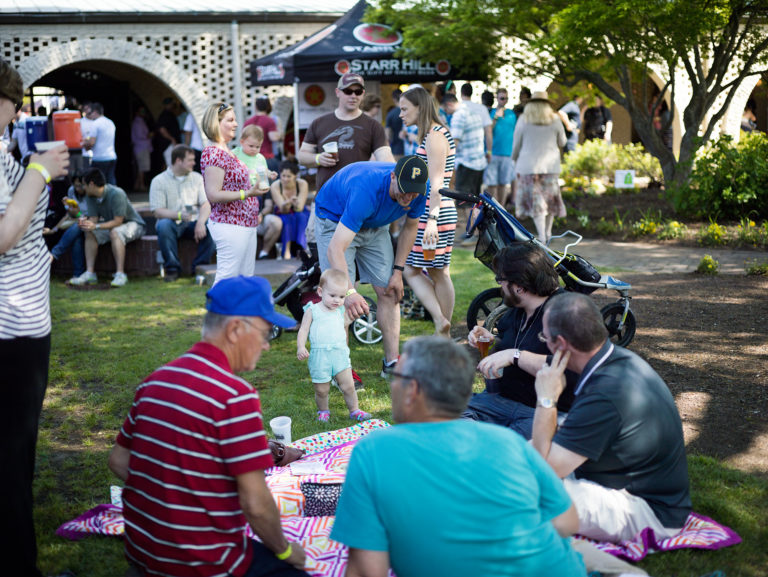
(246, 296)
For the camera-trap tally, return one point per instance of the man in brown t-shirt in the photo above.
(358, 136)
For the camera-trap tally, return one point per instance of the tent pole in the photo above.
(296, 118)
(237, 81)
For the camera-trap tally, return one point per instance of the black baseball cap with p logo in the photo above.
(411, 175)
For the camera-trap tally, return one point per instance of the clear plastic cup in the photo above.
(428, 249)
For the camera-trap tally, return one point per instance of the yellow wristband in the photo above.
(351, 292)
(179, 216)
(242, 194)
(285, 554)
(41, 169)
(317, 159)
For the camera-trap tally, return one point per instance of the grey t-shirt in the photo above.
(113, 203)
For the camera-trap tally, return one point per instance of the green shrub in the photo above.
(672, 229)
(708, 265)
(648, 224)
(729, 180)
(596, 160)
(605, 227)
(590, 160)
(633, 157)
(757, 268)
(747, 232)
(713, 234)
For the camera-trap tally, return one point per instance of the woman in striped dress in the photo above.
(438, 223)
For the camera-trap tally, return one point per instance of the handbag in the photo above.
(283, 455)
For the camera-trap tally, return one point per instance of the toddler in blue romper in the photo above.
(326, 326)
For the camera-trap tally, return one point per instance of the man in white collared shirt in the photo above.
(178, 202)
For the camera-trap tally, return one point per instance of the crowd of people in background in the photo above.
(593, 464)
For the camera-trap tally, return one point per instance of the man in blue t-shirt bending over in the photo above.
(354, 210)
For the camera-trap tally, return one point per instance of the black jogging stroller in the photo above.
(497, 228)
(299, 289)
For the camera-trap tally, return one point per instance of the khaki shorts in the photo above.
(127, 232)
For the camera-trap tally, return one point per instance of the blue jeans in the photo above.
(493, 408)
(72, 240)
(108, 168)
(168, 235)
(265, 564)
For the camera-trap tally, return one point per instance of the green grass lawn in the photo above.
(106, 342)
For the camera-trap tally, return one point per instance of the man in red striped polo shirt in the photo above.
(193, 450)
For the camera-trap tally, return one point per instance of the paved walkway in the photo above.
(655, 258)
(618, 256)
(634, 256)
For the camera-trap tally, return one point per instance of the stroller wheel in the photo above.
(275, 332)
(612, 314)
(366, 328)
(482, 306)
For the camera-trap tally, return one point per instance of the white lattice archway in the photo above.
(54, 57)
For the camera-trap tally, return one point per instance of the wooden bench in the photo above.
(141, 258)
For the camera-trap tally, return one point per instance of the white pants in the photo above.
(611, 514)
(235, 249)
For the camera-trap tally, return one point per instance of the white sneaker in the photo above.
(120, 279)
(85, 278)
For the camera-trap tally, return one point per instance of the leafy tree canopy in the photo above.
(612, 44)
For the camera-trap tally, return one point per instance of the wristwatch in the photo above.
(432, 217)
(545, 402)
(516, 357)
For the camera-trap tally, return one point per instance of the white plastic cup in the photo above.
(332, 148)
(48, 144)
(281, 429)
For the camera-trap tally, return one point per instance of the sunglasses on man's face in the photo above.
(351, 91)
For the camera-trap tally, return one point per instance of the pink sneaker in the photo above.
(359, 415)
(323, 416)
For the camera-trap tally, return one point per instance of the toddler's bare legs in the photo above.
(321, 394)
(347, 387)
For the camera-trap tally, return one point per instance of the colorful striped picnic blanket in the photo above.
(305, 503)
(699, 532)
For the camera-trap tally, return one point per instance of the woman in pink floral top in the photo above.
(234, 206)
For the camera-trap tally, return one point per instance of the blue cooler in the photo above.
(37, 130)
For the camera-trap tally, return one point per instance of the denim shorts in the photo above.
(500, 171)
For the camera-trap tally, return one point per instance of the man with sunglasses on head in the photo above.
(358, 136)
(528, 281)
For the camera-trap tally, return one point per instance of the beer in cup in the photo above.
(332, 148)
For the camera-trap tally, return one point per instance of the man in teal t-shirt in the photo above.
(438, 495)
(500, 173)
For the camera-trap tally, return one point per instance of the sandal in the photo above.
(359, 415)
(323, 416)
